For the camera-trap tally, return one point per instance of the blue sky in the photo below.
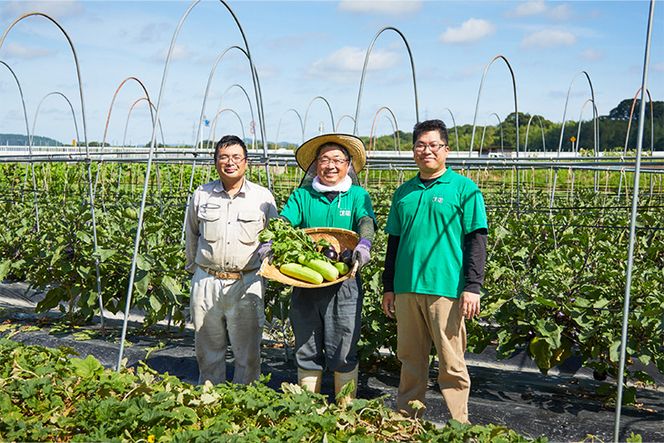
(308, 49)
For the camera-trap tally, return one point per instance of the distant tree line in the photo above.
(22, 140)
(542, 133)
(612, 133)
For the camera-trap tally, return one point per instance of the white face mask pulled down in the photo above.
(343, 186)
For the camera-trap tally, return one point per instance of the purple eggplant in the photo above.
(346, 256)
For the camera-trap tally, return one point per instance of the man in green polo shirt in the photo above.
(326, 321)
(434, 269)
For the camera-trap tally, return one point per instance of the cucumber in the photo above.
(300, 272)
(327, 270)
(342, 268)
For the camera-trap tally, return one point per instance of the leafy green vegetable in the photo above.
(48, 396)
(289, 243)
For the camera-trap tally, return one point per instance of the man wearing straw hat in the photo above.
(224, 219)
(434, 268)
(326, 321)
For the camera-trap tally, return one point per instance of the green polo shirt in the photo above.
(307, 208)
(431, 223)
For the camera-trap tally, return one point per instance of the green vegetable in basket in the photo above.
(301, 272)
(324, 268)
(342, 267)
(288, 243)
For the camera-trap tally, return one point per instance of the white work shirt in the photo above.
(222, 231)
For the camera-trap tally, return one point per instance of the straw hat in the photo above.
(306, 154)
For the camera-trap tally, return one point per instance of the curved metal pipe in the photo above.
(632, 226)
(578, 132)
(29, 141)
(299, 117)
(153, 140)
(257, 92)
(251, 109)
(85, 134)
(124, 134)
(213, 127)
(131, 109)
(578, 136)
(213, 70)
(73, 114)
(306, 113)
(569, 89)
(341, 118)
(516, 119)
(364, 72)
(115, 94)
(108, 118)
(525, 146)
(500, 126)
(562, 126)
(479, 94)
(652, 121)
(456, 131)
(25, 112)
(257, 89)
(393, 122)
(199, 131)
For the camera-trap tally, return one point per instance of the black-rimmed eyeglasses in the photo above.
(433, 147)
(226, 158)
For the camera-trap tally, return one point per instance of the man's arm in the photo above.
(474, 260)
(388, 274)
(191, 235)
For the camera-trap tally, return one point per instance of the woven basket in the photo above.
(339, 238)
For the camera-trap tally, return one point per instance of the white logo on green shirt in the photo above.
(438, 199)
(344, 213)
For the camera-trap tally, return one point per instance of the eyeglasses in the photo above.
(225, 158)
(336, 161)
(433, 147)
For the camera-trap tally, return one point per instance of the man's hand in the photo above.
(388, 304)
(362, 253)
(264, 250)
(470, 304)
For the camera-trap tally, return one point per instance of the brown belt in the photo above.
(223, 275)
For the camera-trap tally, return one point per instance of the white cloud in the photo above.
(470, 31)
(57, 9)
(560, 12)
(390, 7)
(540, 7)
(351, 60)
(180, 52)
(528, 8)
(548, 38)
(18, 50)
(592, 55)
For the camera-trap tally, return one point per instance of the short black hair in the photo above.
(430, 125)
(229, 140)
(333, 145)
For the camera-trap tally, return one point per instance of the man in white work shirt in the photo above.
(223, 222)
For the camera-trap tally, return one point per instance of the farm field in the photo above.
(555, 273)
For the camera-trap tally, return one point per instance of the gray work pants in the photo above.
(326, 323)
(223, 311)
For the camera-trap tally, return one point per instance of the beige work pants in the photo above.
(223, 311)
(421, 320)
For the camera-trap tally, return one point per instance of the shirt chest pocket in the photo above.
(211, 225)
(250, 224)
